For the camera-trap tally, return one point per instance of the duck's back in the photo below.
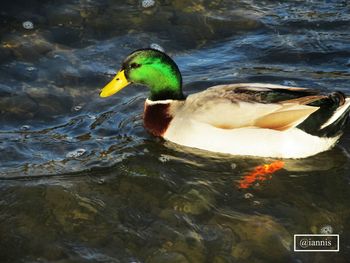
(260, 119)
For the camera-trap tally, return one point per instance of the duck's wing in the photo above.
(263, 106)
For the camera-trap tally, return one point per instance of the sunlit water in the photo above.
(82, 181)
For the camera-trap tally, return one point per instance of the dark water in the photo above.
(82, 181)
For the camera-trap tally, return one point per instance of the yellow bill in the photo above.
(116, 84)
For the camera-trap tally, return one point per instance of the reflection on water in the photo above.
(81, 180)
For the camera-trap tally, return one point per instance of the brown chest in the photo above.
(156, 118)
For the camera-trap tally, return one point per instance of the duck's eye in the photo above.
(135, 65)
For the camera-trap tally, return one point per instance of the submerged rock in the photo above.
(242, 250)
(169, 257)
(18, 107)
(69, 209)
(27, 47)
(256, 235)
(265, 233)
(192, 202)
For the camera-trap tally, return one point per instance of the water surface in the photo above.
(82, 181)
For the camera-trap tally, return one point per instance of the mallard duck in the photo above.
(251, 119)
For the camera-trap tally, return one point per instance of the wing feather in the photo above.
(283, 120)
(254, 105)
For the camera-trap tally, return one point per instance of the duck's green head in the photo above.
(152, 68)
